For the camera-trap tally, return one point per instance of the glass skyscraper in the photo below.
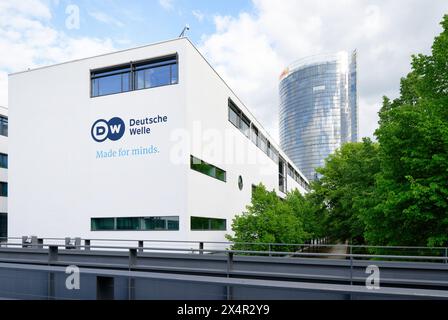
(318, 108)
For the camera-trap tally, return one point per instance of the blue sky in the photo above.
(249, 42)
(136, 22)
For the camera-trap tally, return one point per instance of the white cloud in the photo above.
(251, 50)
(105, 18)
(166, 4)
(198, 15)
(27, 40)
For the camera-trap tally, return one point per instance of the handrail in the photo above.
(241, 252)
(249, 243)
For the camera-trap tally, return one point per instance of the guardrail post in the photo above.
(229, 269)
(132, 258)
(351, 265)
(140, 246)
(52, 254)
(201, 247)
(78, 243)
(86, 244)
(446, 255)
(270, 250)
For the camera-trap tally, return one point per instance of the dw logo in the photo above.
(112, 129)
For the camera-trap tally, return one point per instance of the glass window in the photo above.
(3, 161)
(233, 117)
(100, 224)
(153, 73)
(135, 223)
(174, 73)
(254, 135)
(156, 77)
(3, 126)
(245, 125)
(263, 143)
(208, 224)
(128, 224)
(207, 169)
(140, 79)
(3, 226)
(3, 189)
(109, 85)
(161, 223)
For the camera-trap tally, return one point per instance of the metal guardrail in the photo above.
(167, 246)
(134, 256)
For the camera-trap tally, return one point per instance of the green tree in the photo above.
(269, 219)
(411, 194)
(345, 188)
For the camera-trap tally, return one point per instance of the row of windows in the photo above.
(153, 224)
(297, 177)
(135, 224)
(207, 169)
(135, 76)
(242, 122)
(3, 126)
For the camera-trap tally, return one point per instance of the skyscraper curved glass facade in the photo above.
(318, 108)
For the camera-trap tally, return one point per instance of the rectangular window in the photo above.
(3, 126)
(208, 224)
(263, 143)
(254, 135)
(282, 175)
(290, 171)
(161, 223)
(135, 224)
(128, 224)
(3, 189)
(238, 119)
(3, 161)
(133, 76)
(109, 81)
(98, 224)
(3, 226)
(207, 169)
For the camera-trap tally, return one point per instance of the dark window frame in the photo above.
(131, 69)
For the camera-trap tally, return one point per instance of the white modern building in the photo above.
(3, 173)
(146, 143)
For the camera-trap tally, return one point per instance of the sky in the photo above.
(249, 42)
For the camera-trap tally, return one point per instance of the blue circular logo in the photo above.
(116, 129)
(113, 129)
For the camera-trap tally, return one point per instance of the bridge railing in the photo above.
(316, 249)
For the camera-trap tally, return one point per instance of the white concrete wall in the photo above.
(58, 184)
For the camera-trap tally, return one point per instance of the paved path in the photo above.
(339, 249)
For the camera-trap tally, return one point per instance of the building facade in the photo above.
(318, 108)
(146, 143)
(3, 173)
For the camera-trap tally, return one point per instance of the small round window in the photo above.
(240, 182)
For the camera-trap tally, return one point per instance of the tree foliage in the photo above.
(412, 187)
(394, 192)
(269, 219)
(346, 186)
